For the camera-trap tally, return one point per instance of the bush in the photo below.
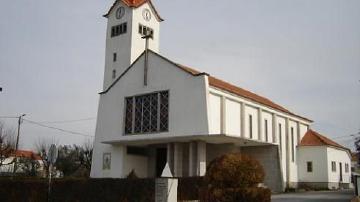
(234, 177)
(234, 171)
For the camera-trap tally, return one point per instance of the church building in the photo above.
(153, 111)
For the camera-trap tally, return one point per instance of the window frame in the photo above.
(133, 132)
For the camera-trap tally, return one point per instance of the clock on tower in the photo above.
(128, 21)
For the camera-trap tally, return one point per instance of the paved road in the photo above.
(320, 196)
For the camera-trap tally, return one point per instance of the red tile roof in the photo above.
(312, 138)
(135, 4)
(215, 82)
(27, 154)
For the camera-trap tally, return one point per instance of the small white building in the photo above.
(323, 163)
(153, 111)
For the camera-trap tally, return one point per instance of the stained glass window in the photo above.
(128, 115)
(147, 113)
(164, 111)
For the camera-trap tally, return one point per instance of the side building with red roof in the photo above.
(323, 163)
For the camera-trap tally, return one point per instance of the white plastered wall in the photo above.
(293, 164)
(318, 156)
(339, 156)
(187, 108)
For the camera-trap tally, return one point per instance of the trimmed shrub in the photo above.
(234, 171)
(234, 177)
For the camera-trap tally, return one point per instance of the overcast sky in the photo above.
(302, 54)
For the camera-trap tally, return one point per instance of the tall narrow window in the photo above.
(266, 130)
(346, 167)
(154, 112)
(128, 115)
(309, 167)
(250, 127)
(164, 111)
(280, 136)
(114, 74)
(114, 57)
(292, 145)
(147, 113)
(138, 114)
(333, 166)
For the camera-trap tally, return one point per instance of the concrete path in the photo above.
(319, 196)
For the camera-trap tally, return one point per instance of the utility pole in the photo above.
(17, 142)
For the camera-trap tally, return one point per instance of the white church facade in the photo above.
(154, 112)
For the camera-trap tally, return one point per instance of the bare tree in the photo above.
(7, 144)
(42, 147)
(86, 154)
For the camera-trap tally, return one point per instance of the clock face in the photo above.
(146, 14)
(120, 12)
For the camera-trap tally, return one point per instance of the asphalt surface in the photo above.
(319, 196)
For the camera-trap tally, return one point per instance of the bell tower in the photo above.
(127, 22)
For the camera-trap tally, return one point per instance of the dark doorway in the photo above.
(161, 154)
(341, 175)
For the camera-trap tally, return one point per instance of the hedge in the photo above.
(63, 190)
(253, 194)
(189, 188)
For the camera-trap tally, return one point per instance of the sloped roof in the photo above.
(313, 138)
(135, 4)
(217, 83)
(27, 154)
(223, 85)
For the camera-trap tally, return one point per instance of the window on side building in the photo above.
(333, 166)
(309, 166)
